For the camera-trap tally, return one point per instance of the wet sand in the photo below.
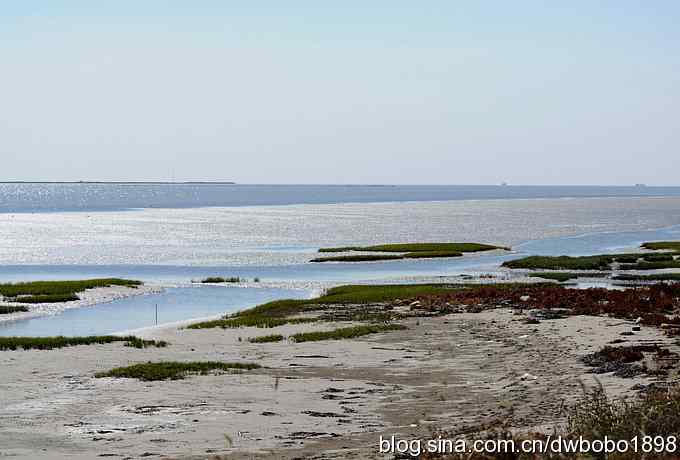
(330, 399)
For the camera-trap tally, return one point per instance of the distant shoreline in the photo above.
(207, 182)
(122, 182)
(65, 196)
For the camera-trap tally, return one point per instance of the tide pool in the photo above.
(174, 304)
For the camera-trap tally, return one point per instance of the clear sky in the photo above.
(440, 92)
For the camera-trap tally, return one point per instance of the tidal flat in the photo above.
(408, 359)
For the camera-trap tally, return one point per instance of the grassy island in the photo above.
(597, 262)
(219, 279)
(404, 251)
(663, 245)
(56, 291)
(669, 258)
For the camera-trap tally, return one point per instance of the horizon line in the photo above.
(209, 182)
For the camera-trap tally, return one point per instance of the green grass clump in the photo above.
(407, 251)
(276, 308)
(346, 332)
(349, 294)
(341, 249)
(7, 309)
(596, 416)
(361, 294)
(431, 254)
(651, 265)
(249, 321)
(136, 342)
(61, 287)
(219, 279)
(662, 257)
(49, 343)
(418, 247)
(266, 338)
(171, 370)
(627, 259)
(595, 262)
(654, 414)
(663, 245)
(561, 262)
(49, 298)
(357, 258)
(630, 261)
(557, 276)
(433, 247)
(658, 277)
(273, 314)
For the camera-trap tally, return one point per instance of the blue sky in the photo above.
(308, 92)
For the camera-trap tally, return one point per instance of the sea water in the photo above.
(103, 233)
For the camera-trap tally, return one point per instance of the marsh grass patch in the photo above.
(220, 279)
(346, 332)
(628, 261)
(249, 321)
(7, 309)
(266, 338)
(359, 258)
(276, 313)
(593, 417)
(49, 343)
(57, 291)
(657, 265)
(656, 277)
(656, 413)
(663, 257)
(662, 245)
(48, 298)
(598, 262)
(173, 370)
(418, 247)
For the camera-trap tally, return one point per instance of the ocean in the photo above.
(41, 197)
(173, 233)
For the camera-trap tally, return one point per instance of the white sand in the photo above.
(449, 372)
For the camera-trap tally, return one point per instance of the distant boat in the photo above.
(504, 184)
(641, 185)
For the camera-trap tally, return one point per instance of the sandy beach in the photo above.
(322, 400)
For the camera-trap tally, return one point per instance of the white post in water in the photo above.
(156, 314)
